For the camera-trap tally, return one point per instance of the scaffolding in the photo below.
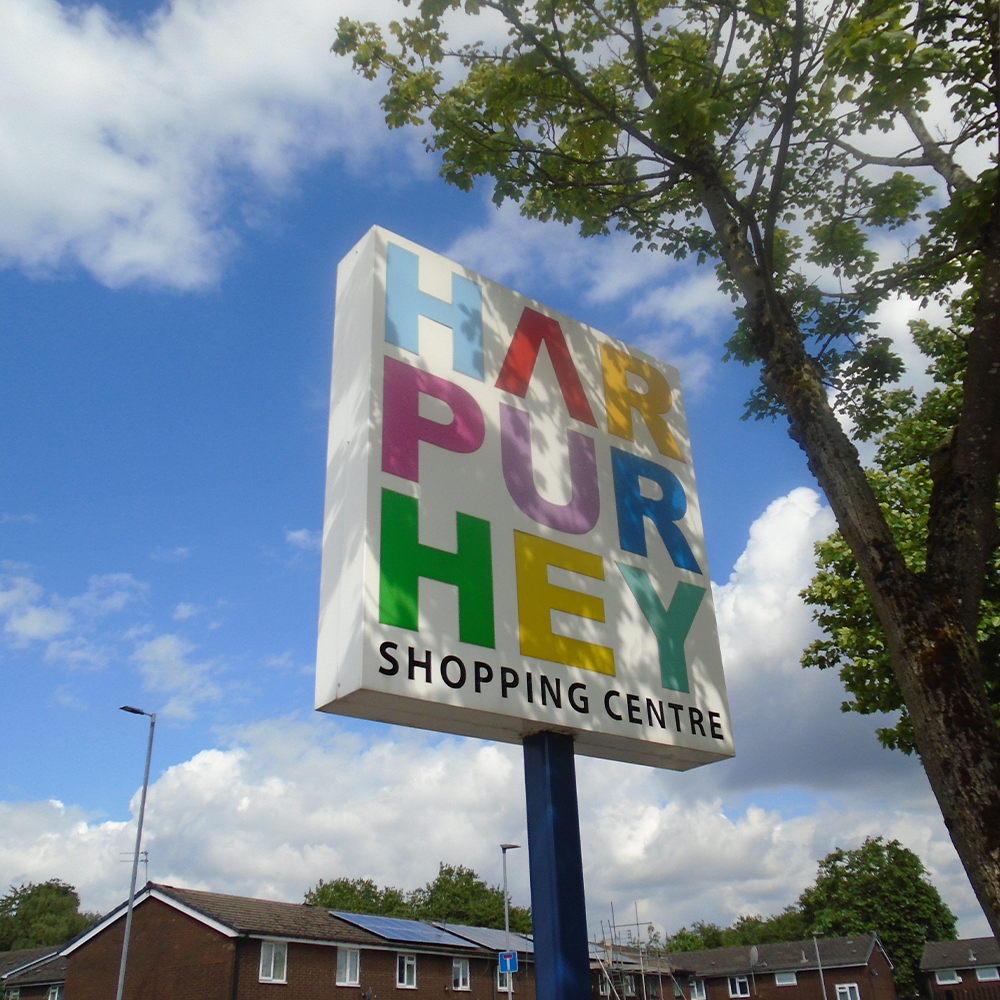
(628, 970)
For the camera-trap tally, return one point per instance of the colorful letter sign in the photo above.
(512, 540)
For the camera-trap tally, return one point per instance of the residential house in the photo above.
(849, 968)
(32, 974)
(962, 970)
(192, 945)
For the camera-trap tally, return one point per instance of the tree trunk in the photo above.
(927, 618)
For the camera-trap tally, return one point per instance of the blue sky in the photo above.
(184, 181)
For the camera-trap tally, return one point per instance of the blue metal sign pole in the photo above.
(555, 864)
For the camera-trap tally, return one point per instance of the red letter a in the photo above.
(522, 354)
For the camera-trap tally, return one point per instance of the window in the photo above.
(55, 993)
(273, 961)
(406, 972)
(502, 982)
(348, 967)
(988, 974)
(460, 974)
(698, 991)
(785, 979)
(739, 986)
(14, 993)
(604, 987)
(629, 986)
(947, 977)
(848, 991)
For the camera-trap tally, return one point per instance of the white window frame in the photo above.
(502, 981)
(461, 977)
(55, 992)
(270, 949)
(848, 991)
(698, 991)
(344, 967)
(988, 973)
(406, 963)
(947, 977)
(604, 985)
(739, 986)
(786, 979)
(628, 986)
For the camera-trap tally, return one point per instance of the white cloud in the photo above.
(30, 619)
(288, 802)
(164, 664)
(303, 538)
(127, 148)
(183, 611)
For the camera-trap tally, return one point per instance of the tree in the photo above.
(33, 916)
(789, 925)
(854, 640)
(359, 895)
(456, 896)
(751, 134)
(882, 887)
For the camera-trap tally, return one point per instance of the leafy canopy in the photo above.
(902, 477)
(33, 916)
(456, 896)
(881, 887)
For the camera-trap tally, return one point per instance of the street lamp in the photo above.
(138, 841)
(504, 848)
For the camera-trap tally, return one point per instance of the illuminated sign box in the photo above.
(512, 540)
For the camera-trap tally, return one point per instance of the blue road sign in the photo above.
(508, 961)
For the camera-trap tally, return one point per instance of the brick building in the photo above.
(32, 974)
(847, 968)
(962, 970)
(192, 945)
(851, 968)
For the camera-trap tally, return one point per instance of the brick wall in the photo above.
(171, 957)
(175, 957)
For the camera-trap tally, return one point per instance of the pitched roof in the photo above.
(490, 938)
(969, 953)
(270, 918)
(787, 956)
(233, 916)
(51, 969)
(10, 960)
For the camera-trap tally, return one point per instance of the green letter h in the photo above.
(403, 560)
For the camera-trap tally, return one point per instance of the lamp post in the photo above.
(504, 848)
(138, 841)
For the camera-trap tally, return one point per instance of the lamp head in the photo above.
(509, 847)
(134, 711)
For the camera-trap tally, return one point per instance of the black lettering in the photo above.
(651, 711)
(508, 680)
(484, 674)
(556, 695)
(461, 672)
(634, 711)
(696, 717)
(677, 714)
(715, 726)
(607, 704)
(389, 658)
(424, 665)
(527, 678)
(584, 705)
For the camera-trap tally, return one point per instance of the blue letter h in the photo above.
(404, 302)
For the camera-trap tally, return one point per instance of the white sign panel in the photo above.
(512, 539)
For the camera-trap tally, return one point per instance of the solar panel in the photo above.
(398, 929)
(488, 937)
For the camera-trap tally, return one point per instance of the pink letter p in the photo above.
(403, 428)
